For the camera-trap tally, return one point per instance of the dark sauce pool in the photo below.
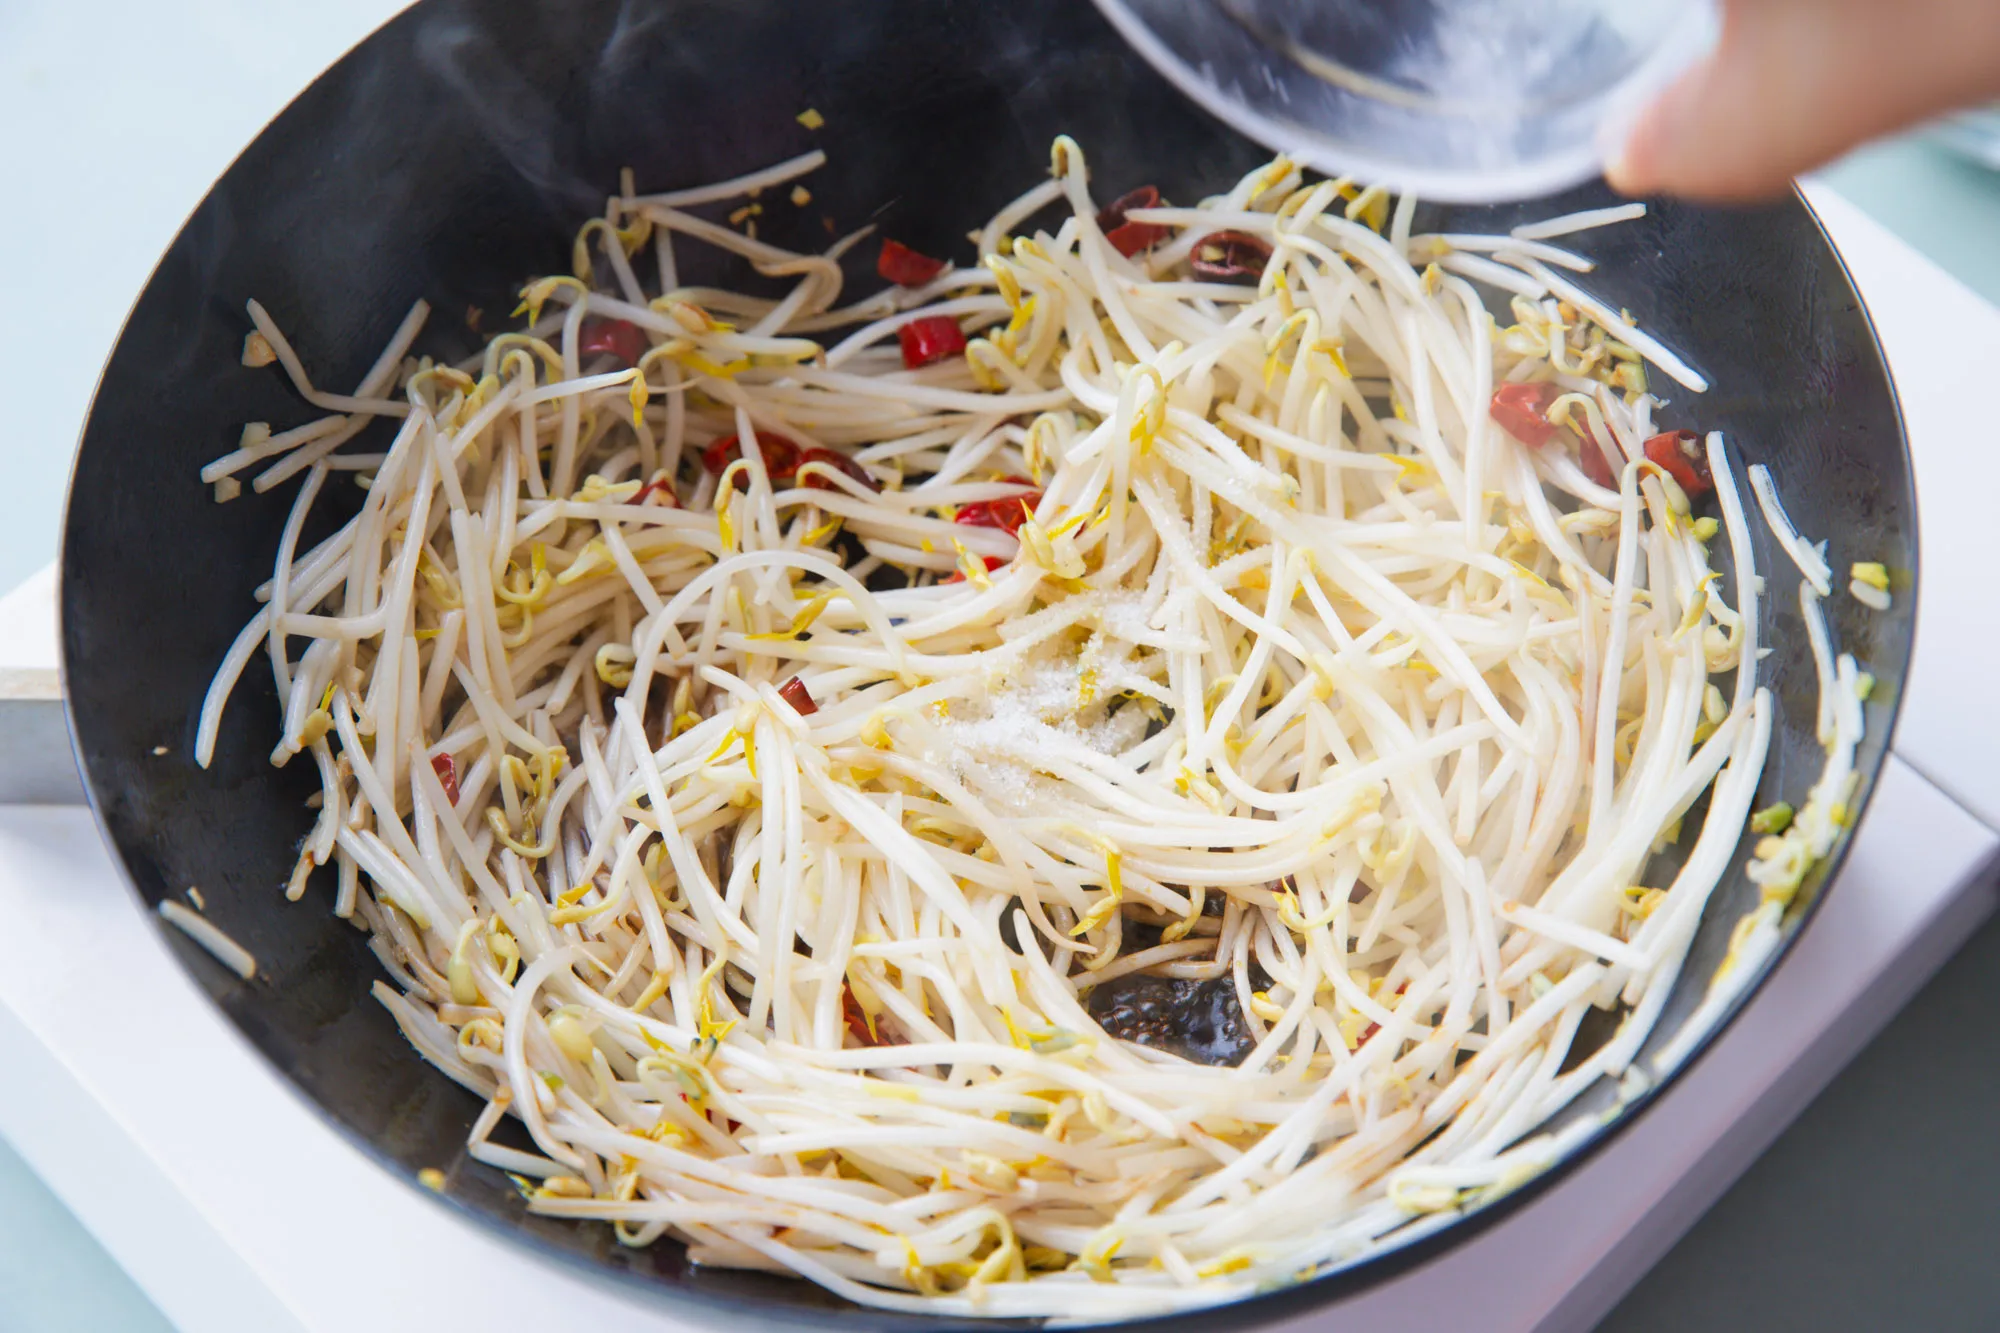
(1196, 1020)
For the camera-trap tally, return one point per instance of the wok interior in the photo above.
(451, 157)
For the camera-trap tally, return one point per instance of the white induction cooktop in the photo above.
(236, 1208)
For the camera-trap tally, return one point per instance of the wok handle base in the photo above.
(37, 763)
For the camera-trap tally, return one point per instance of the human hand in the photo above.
(1793, 84)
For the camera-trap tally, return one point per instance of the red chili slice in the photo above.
(781, 457)
(616, 337)
(929, 340)
(1680, 453)
(662, 487)
(1595, 456)
(1136, 237)
(1374, 1028)
(795, 693)
(1008, 514)
(1129, 238)
(1112, 215)
(993, 562)
(1523, 412)
(446, 769)
(1230, 256)
(838, 461)
(857, 1019)
(1595, 467)
(906, 267)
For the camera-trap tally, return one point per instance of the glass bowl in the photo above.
(1463, 101)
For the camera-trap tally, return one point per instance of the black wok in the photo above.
(452, 155)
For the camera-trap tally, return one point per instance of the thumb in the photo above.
(1794, 83)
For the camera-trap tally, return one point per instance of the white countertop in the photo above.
(1942, 340)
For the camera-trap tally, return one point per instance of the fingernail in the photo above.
(1614, 143)
(1621, 173)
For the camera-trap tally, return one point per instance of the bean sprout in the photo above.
(1811, 564)
(210, 937)
(753, 763)
(1570, 223)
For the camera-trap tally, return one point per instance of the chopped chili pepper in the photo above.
(1112, 215)
(993, 562)
(1680, 453)
(1374, 1028)
(1591, 456)
(1135, 237)
(857, 1020)
(446, 769)
(662, 487)
(929, 340)
(795, 693)
(616, 337)
(1230, 255)
(781, 457)
(838, 461)
(906, 267)
(1129, 238)
(1523, 412)
(1007, 514)
(1595, 457)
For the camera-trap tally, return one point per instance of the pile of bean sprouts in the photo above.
(757, 846)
